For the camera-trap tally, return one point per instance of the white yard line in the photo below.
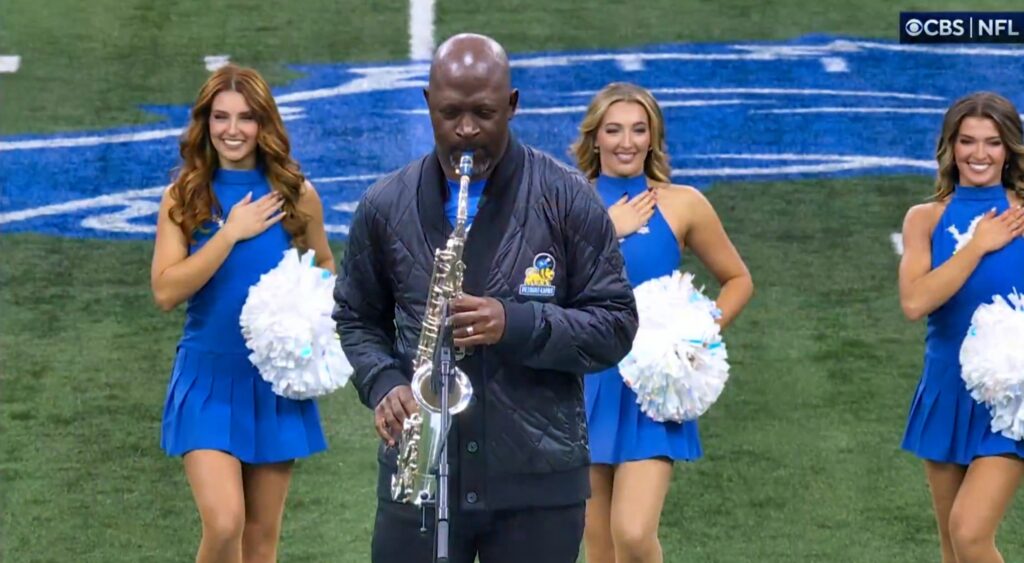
(9, 63)
(421, 30)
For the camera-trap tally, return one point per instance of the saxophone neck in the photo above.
(462, 208)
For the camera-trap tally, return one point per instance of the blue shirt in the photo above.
(476, 189)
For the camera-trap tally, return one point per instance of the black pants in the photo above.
(535, 535)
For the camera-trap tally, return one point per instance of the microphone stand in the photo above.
(444, 366)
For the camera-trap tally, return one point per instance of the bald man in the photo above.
(546, 300)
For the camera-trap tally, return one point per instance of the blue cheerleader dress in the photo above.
(619, 430)
(945, 423)
(216, 398)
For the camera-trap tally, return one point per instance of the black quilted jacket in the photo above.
(544, 246)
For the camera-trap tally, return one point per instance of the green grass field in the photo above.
(802, 461)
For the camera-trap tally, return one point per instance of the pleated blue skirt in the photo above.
(946, 424)
(621, 432)
(218, 401)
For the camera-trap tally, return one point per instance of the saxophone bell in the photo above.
(419, 452)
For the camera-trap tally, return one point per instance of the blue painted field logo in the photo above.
(539, 278)
(812, 107)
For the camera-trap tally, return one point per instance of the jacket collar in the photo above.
(496, 206)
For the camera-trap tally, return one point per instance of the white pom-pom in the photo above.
(678, 365)
(286, 322)
(992, 362)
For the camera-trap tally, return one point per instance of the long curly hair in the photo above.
(656, 164)
(1001, 111)
(194, 202)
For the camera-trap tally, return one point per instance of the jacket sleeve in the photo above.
(595, 328)
(365, 309)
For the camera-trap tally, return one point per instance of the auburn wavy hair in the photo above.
(194, 202)
(656, 164)
(1001, 111)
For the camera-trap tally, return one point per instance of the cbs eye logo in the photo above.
(914, 27)
(934, 27)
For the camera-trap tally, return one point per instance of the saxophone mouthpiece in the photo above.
(466, 164)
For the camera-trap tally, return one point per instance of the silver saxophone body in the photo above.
(419, 447)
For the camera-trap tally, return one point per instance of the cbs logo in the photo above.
(934, 27)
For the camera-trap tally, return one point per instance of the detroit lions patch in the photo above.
(539, 277)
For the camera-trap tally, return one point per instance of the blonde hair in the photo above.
(656, 165)
(986, 105)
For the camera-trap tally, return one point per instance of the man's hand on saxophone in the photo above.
(392, 411)
(477, 321)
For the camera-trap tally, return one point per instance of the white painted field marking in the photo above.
(109, 200)
(834, 109)
(135, 204)
(346, 206)
(421, 30)
(9, 63)
(897, 243)
(580, 109)
(90, 140)
(355, 178)
(291, 113)
(834, 64)
(213, 62)
(118, 221)
(942, 50)
(630, 63)
(801, 164)
(784, 92)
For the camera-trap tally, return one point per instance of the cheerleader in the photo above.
(238, 202)
(621, 148)
(960, 249)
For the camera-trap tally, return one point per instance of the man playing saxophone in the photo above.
(543, 300)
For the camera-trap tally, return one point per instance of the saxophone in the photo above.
(419, 446)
